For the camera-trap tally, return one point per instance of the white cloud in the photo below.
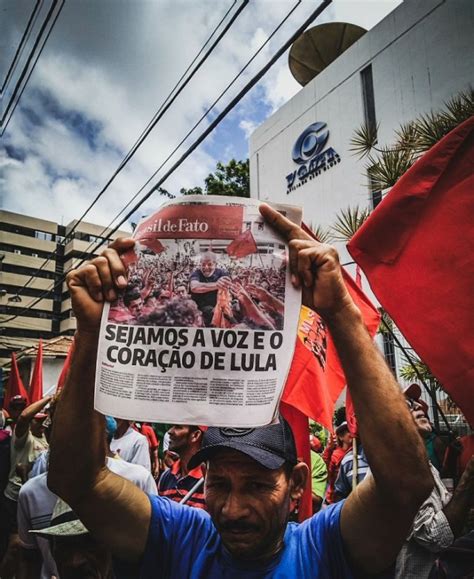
(105, 71)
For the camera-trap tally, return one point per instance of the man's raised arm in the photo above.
(113, 509)
(377, 516)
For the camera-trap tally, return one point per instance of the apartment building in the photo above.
(35, 254)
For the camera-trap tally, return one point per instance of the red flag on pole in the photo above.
(152, 243)
(14, 385)
(65, 370)
(316, 379)
(300, 427)
(242, 245)
(36, 383)
(416, 251)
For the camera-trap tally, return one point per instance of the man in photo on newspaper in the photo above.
(252, 479)
(204, 283)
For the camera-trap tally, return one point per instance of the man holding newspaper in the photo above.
(252, 474)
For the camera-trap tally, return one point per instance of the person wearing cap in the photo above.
(74, 552)
(16, 406)
(177, 481)
(36, 504)
(252, 475)
(28, 441)
(441, 518)
(433, 443)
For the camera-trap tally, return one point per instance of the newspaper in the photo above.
(204, 333)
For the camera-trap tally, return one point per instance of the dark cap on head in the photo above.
(271, 445)
(18, 400)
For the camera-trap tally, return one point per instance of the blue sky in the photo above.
(104, 72)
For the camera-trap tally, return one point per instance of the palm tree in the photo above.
(386, 164)
(348, 222)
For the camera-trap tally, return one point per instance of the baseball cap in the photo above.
(341, 427)
(413, 392)
(271, 445)
(64, 523)
(17, 400)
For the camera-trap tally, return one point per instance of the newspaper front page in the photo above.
(204, 333)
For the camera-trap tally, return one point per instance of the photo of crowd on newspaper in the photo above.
(203, 283)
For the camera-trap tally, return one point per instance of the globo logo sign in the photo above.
(310, 154)
(310, 143)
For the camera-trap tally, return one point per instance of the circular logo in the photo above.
(235, 431)
(310, 143)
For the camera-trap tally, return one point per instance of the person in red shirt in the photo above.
(176, 482)
(333, 454)
(145, 429)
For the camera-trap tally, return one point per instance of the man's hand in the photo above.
(224, 282)
(96, 281)
(314, 266)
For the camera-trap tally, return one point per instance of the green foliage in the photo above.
(363, 140)
(318, 430)
(387, 164)
(323, 235)
(347, 223)
(232, 179)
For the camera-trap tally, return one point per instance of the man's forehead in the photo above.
(228, 458)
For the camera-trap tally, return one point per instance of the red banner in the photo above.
(193, 222)
(416, 250)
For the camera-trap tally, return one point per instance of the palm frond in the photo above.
(389, 166)
(322, 234)
(363, 140)
(348, 222)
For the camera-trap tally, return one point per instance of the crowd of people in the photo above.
(207, 289)
(89, 496)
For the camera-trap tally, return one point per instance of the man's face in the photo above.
(421, 420)
(249, 504)
(15, 410)
(208, 267)
(81, 558)
(181, 291)
(180, 437)
(135, 306)
(37, 427)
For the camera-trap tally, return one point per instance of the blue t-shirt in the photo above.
(183, 543)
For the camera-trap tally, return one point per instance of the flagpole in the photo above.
(355, 463)
(195, 488)
(417, 372)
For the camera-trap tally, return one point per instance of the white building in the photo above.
(413, 61)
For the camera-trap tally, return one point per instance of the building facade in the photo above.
(411, 63)
(35, 254)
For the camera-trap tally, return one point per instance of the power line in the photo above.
(211, 127)
(322, 6)
(158, 115)
(21, 46)
(27, 70)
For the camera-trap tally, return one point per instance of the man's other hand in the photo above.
(314, 267)
(95, 282)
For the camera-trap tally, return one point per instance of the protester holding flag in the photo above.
(252, 476)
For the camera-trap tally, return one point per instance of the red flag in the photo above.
(36, 383)
(14, 385)
(416, 251)
(316, 379)
(300, 427)
(152, 243)
(65, 370)
(358, 277)
(242, 245)
(350, 412)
